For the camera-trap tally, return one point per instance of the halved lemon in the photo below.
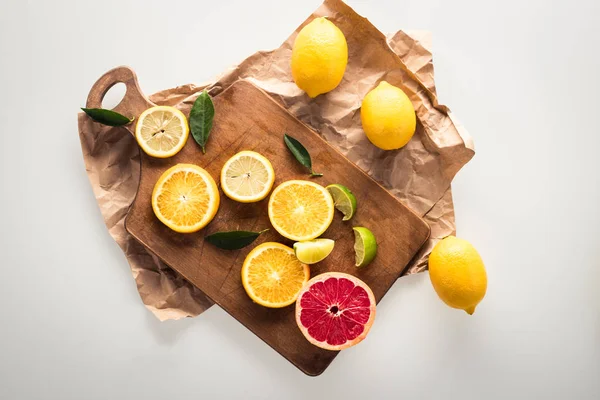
(247, 177)
(300, 210)
(272, 275)
(162, 131)
(185, 198)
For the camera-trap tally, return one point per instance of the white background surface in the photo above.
(522, 76)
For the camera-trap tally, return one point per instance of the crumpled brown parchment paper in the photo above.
(419, 174)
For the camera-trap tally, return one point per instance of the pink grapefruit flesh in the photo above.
(335, 311)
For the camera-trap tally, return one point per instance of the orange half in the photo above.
(185, 198)
(300, 210)
(272, 275)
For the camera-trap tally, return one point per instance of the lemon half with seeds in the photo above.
(185, 198)
(300, 210)
(162, 131)
(272, 275)
(247, 177)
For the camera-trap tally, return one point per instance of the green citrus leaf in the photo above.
(107, 117)
(300, 152)
(201, 119)
(233, 240)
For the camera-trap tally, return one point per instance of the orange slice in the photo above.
(272, 275)
(185, 198)
(300, 210)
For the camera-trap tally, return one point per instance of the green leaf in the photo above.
(300, 152)
(233, 240)
(201, 119)
(107, 117)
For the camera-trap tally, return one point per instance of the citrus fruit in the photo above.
(388, 117)
(161, 131)
(247, 177)
(335, 310)
(185, 198)
(272, 275)
(457, 273)
(319, 57)
(365, 246)
(313, 251)
(300, 210)
(343, 199)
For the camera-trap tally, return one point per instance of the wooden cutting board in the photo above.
(248, 119)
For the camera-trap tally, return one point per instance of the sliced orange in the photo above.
(300, 210)
(272, 275)
(185, 198)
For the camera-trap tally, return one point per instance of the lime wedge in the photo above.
(343, 200)
(365, 246)
(313, 251)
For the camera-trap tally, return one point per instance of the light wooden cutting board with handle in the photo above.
(248, 119)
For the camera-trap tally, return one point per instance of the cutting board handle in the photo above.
(133, 103)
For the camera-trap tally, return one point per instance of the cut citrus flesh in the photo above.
(162, 131)
(365, 246)
(272, 275)
(313, 251)
(300, 210)
(343, 199)
(247, 177)
(335, 311)
(185, 198)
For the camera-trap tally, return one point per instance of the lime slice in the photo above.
(313, 251)
(343, 200)
(365, 246)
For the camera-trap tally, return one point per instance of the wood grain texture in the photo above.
(133, 103)
(248, 119)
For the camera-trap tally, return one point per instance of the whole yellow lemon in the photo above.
(388, 117)
(319, 57)
(457, 273)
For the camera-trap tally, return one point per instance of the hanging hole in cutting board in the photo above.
(114, 95)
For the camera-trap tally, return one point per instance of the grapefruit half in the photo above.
(335, 311)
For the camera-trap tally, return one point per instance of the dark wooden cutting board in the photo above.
(248, 119)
